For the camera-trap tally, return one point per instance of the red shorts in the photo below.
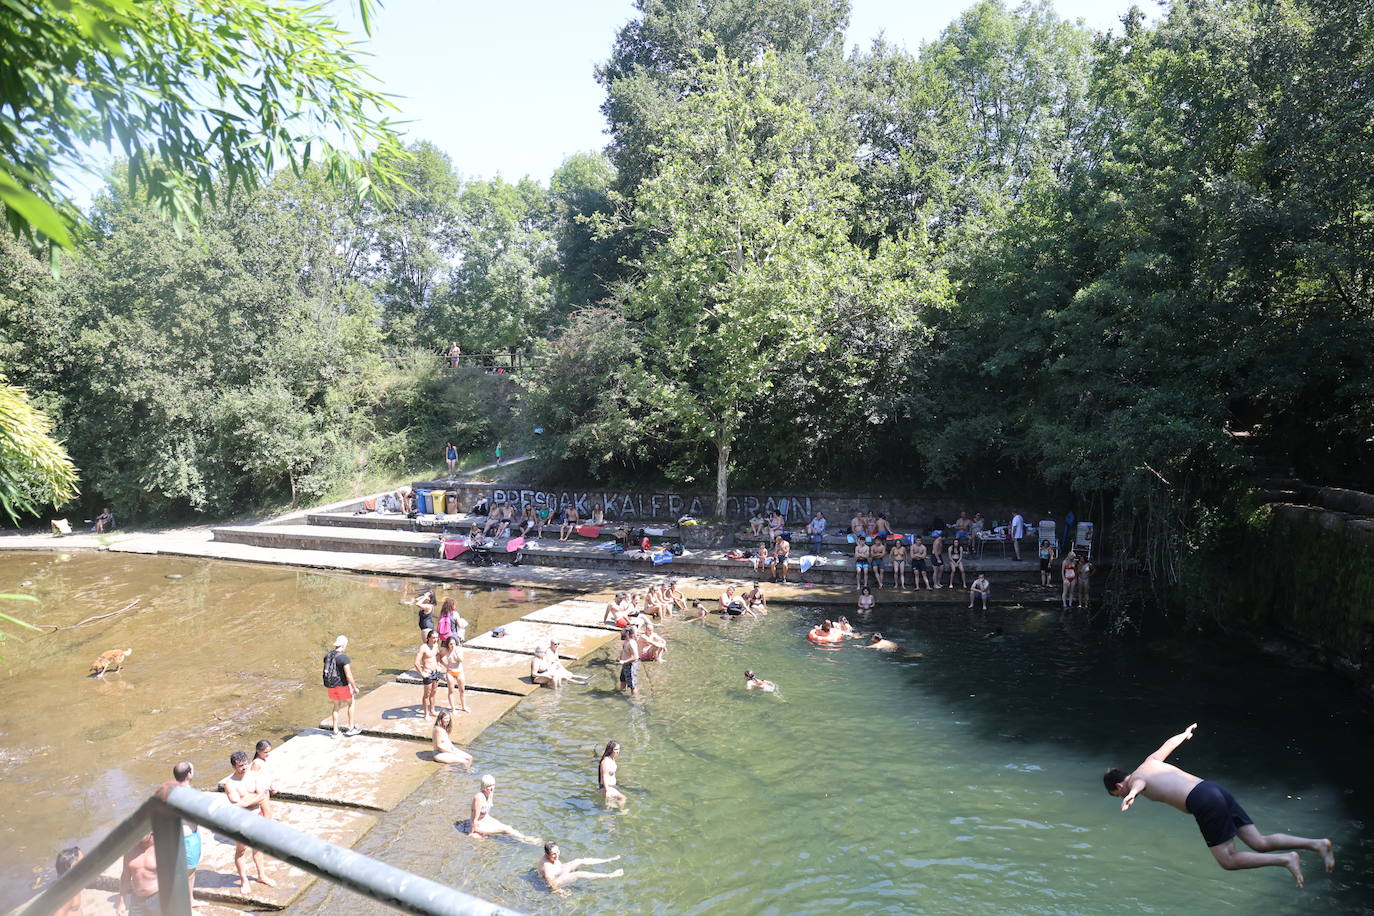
(340, 694)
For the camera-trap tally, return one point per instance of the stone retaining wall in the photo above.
(646, 505)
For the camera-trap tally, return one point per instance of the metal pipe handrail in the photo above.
(387, 884)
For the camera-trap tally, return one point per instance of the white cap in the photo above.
(488, 780)
(340, 642)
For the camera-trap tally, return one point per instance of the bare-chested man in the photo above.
(753, 682)
(430, 671)
(138, 881)
(559, 873)
(882, 645)
(618, 608)
(1219, 816)
(242, 789)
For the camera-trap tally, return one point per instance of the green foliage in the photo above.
(748, 269)
(34, 469)
(191, 91)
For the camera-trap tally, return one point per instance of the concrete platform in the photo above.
(574, 612)
(524, 635)
(365, 772)
(217, 880)
(393, 710)
(318, 537)
(488, 670)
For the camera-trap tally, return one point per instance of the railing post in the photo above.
(173, 890)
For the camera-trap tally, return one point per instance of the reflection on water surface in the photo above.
(223, 655)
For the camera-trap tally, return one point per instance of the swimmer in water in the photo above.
(1219, 816)
(751, 682)
(845, 627)
(698, 611)
(558, 873)
(605, 774)
(483, 824)
(882, 645)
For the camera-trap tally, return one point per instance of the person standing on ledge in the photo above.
(1219, 816)
(451, 456)
(498, 452)
(1018, 531)
(340, 686)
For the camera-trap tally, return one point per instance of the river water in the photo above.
(963, 780)
(223, 655)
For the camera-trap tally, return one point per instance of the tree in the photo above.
(34, 469)
(189, 91)
(500, 293)
(749, 268)
(581, 190)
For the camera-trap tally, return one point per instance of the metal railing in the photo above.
(164, 812)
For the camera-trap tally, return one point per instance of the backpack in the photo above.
(331, 674)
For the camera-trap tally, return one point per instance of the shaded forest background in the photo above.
(1131, 271)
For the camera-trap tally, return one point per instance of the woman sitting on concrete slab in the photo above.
(444, 749)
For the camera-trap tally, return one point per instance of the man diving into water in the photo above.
(1219, 816)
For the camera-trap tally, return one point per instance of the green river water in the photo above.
(966, 780)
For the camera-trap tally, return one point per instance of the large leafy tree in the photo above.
(749, 270)
(190, 91)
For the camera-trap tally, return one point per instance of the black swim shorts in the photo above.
(629, 675)
(1216, 811)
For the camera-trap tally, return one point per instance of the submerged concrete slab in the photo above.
(486, 670)
(217, 880)
(572, 613)
(358, 772)
(525, 635)
(393, 710)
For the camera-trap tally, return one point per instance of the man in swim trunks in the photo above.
(629, 662)
(190, 840)
(558, 873)
(980, 591)
(1219, 816)
(430, 671)
(138, 881)
(242, 789)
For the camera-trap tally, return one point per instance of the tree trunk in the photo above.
(722, 474)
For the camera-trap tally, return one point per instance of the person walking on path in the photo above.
(498, 453)
(340, 686)
(1219, 816)
(451, 456)
(558, 873)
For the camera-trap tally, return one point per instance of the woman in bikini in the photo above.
(956, 563)
(898, 559)
(1046, 558)
(445, 751)
(605, 774)
(1068, 571)
(451, 659)
(866, 599)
